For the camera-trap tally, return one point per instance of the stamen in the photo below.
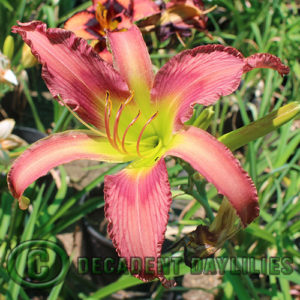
(116, 125)
(180, 39)
(209, 10)
(142, 131)
(128, 100)
(108, 106)
(118, 115)
(79, 119)
(125, 132)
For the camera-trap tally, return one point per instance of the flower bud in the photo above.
(8, 47)
(204, 119)
(28, 60)
(24, 202)
(242, 136)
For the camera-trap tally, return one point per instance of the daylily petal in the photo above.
(265, 60)
(95, 2)
(133, 61)
(73, 70)
(137, 205)
(106, 55)
(84, 25)
(202, 75)
(100, 47)
(217, 164)
(144, 8)
(120, 4)
(183, 13)
(126, 4)
(55, 150)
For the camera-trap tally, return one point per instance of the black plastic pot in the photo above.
(95, 244)
(30, 135)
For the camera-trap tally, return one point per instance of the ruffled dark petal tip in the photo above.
(265, 60)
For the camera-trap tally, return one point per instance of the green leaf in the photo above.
(255, 230)
(6, 4)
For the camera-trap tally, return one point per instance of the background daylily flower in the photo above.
(138, 118)
(6, 74)
(178, 16)
(8, 141)
(110, 15)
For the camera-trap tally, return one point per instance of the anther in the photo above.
(128, 100)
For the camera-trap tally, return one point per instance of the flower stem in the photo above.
(200, 196)
(35, 114)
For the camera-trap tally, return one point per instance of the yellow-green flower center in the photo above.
(143, 145)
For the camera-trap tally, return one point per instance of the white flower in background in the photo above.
(6, 74)
(8, 141)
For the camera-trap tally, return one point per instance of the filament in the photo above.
(116, 125)
(209, 10)
(118, 115)
(108, 106)
(79, 119)
(125, 132)
(142, 131)
(128, 100)
(180, 39)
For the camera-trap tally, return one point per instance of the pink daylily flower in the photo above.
(138, 117)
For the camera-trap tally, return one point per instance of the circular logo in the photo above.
(37, 264)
